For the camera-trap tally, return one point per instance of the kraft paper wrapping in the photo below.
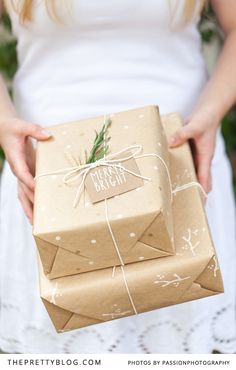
(75, 240)
(192, 273)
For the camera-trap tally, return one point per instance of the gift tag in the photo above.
(107, 181)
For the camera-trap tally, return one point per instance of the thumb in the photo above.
(37, 132)
(180, 136)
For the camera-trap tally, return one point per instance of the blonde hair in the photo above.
(23, 8)
(191, 9)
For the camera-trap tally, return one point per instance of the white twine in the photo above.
(189, 185)
(115, 243)
(112, 235)
(128, 291)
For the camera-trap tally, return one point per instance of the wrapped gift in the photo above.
(193, 272)
(116, 213)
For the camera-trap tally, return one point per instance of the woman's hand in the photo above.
(218, 96)
(15, 140)
(201, 128)
(25, 194)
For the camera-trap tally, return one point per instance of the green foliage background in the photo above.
(8, 57)
(209, 31)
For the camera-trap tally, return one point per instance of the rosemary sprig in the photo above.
(100, 147)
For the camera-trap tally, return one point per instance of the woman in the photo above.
(83, 60)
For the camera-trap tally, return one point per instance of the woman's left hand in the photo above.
(201, 128)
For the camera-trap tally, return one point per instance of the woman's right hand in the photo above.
(15, 140)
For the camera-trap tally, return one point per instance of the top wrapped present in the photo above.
(103, 193)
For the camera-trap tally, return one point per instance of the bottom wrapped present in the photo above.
(98, 296)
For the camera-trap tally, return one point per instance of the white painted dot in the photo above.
(53, 177)
(43, 208)
(126, 127)
(93, 241)
(68, 146)
(141, 258)
(138, 189)
(64, 132)
(141, 115)
(91, 263)
(58, 237)
(53, 219)
(119, 216)
(155, 167)
(159, 144)
(87, 204)
(132, 235)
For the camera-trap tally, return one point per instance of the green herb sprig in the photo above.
(100, 145)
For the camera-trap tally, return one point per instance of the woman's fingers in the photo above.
(20, 168)
(21, 171)
(37, 132)
(15, 146)
(26, 204)
(204, 149)
(19, 151)
(204, 171)
(181, 136)
(28, 192)
(30, 155)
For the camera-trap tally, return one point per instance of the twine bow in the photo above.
(108, 161)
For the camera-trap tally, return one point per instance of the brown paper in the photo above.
(75, 240)
(192, 273)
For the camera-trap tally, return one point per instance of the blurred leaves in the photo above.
(229, 130)
(8, 56)
(8, 62)
(1, 154)
(5, 20)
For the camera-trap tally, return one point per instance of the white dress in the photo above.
(109, 56)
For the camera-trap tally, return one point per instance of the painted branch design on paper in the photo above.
(175, 282)
(116, 312)
(189, 243)
(214, 266)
